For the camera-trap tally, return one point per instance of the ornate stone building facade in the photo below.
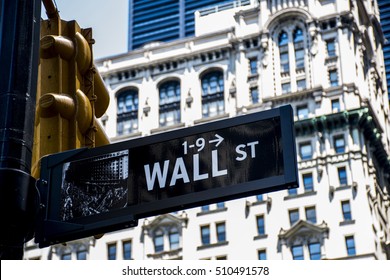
(325, 59)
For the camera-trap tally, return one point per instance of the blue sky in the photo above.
(108, 18)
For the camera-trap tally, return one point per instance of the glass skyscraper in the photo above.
(163, 20)
(384, 9)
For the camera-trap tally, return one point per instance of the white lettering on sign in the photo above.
(159, 174)
(180, 171)
(240, 149)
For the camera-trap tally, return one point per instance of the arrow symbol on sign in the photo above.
(219, 140)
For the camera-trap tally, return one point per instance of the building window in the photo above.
(308, 182)
(66, 256)
(158, 241)
(283, 50)
(260, 225)
(294, 216)
(346, 208)
(220, 205)
(169, 103)
(335, 105)
(205, 208)
(331, 48)
(213, 94)
(333, 78)
(111, 251)
(339, 144)
(205, 234)
(302, 112)
(174, 240)
(127, 112)
(259, 197)
(297, 252)
(342, 173)
(81, 254)
(254, 95)
(311, 214)
(126, 248)
(315, 251)
(292, 191)
(305, 150)
(221, 232)
(299, 49)
(350, 244)
(262, 254)
(301, 84)
(286, 88)
(253, 66)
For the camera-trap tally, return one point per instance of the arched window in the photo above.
(291, 50)
(283, 51)
(127, 112)
(169, 103)
(213, 94)
(299, 49)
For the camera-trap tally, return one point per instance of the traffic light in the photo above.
(71, 94)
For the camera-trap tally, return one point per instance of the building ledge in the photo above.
(347, 222)
(219, 210)
(300, 195)
(208, 246)
(261, 236)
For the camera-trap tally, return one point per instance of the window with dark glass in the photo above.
(262, 254)
(66, 256)
(220, 205)
(311, 214)
(127, 112)
(302, 112)
(346, 208)
(174, 240)
(315, 251)
(253, 65)
(169, 108)
(292, 191)
(81, 254)
(221, 232)
(350, 244)
(158, 241)
(331, 48)
(213, 103)
(286, 88)
(260, 225)
(205, 234)
(283, 51)
(305, 150)
(301, 84)
(111, 251)
(294, 216)
(339, 144)
(333, 78)
(254, 95)
(308, 182)
(342, 173)
(335, 105)
(299, 49)
(297, 252)
(126, 248)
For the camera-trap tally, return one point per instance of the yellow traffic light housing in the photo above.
(71, 94)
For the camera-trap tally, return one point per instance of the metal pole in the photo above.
(19, 54)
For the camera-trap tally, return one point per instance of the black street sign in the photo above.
(91, 191)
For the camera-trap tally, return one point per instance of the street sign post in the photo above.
(92, 191)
